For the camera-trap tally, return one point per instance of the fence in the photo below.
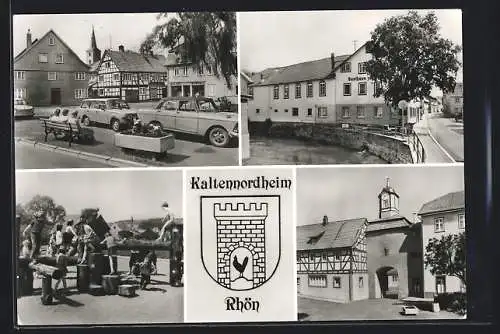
(415, 143)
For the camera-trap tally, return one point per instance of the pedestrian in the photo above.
(111, 243)
(62, 265)
(36, 227)
(87, 239)
(167, 221)
(146, 268)
(59, 236)
(55, 116)
(64, 116)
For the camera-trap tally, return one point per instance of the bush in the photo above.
(454, 302)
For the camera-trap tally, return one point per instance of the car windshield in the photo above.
(207, 106)
(118, 104)
(19, 103)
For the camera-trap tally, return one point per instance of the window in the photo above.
(309, 112)
(59, 58)
(362, 68)
(345, 68)
(298, 91)
(276, 92)
(461, 221)
(187, 105)
(441, 284)
(79, 75)
(322, 112)
(116, 76)
(250, 91)
(275, 110)
(52, 40)
(52, 76)
(286, 91)
(295, 111)
(177, 71)
(286, 110)
(336, 282)
(107, 64)
(360, 111)
(337, 257)
(345, 112)
(457, 99)
(211, 90)
(257, 111)
(20, 93)
(19, 75)
(360, 282)
(101, 78)
(309, 91)
(200, 70)
(323, 256)
(376, 87)
(322, 88)
(80, 93)
(317, 281)
(347, 89)
(386, 251)
(185, 71)
(439, 224)
(101, 91)
(43, 58)
(362, 88)
(379, 112)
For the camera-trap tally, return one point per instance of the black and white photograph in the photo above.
(351, 87)
(381, 243)
(99, 247)
(125, 90)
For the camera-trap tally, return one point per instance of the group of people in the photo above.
(64, 116)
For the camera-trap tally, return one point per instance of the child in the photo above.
(147, 267)
(26, 250)
(62, 264)
(59, 236)
(110, 243)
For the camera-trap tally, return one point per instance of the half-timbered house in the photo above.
(131, 76)
(332, 260)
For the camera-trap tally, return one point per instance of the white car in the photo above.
(22, 109)
(409, 310)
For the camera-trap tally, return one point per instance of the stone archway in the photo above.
(387, 283)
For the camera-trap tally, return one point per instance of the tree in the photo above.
(410, 57)
(203, 38)
(55, 213)
(446, 256)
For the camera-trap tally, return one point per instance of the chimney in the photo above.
(325, 220)
(332, 58)
(261, 76)
(28, 39)
(121, 48)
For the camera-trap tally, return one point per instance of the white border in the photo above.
(240, 137)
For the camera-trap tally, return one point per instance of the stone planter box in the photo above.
(148, 144)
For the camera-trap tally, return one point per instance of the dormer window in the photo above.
(52, 40)
(346, 67)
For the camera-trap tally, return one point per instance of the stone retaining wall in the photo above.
(391, 150)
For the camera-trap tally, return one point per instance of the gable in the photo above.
(28, 59)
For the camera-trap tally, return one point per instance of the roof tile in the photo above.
(450, 201)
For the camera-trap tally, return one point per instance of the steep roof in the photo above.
(335, 234)
(396, 221)
(37, 41)
(310, 70)
(451, 201)
(130, 61)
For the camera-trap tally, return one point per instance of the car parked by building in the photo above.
(22, 109)
(193, 115)
(409, 310)
(111, 111)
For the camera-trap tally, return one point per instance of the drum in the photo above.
(97, 267)
(126, 290)
(83, 277)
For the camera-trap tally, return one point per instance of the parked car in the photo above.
(409, 310)
(193, 115)
(111, 111)
(22, 109)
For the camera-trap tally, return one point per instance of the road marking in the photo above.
(439, 145)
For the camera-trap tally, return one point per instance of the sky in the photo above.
(125, 29)
(292, 37)
(352, 192)
(119, 194)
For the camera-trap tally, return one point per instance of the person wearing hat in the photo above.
(36, 227)
(88, 239)
(167, 221)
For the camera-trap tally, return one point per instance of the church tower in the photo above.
(93, 53)
(388, 201)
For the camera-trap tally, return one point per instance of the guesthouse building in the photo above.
(453, 102)
(48, 72)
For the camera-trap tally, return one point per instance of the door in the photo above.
(166, 114)
(55, 96)
(186, 119)
(131, 95)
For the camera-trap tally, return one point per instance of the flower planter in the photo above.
(148, 144)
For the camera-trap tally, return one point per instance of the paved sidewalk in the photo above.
(434, 152)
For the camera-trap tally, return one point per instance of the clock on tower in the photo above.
(388, 202)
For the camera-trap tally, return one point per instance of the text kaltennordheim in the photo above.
(259, 182)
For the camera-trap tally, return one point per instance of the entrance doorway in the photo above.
(55, 96)
(388, 283)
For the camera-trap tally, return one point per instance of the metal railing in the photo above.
(415, 143)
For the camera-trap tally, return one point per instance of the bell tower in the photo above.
(388, 201)
(93, 53)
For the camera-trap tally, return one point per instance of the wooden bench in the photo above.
(70, 130)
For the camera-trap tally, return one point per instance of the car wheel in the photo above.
(86, 121)
(218, 136)
(115, 125)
